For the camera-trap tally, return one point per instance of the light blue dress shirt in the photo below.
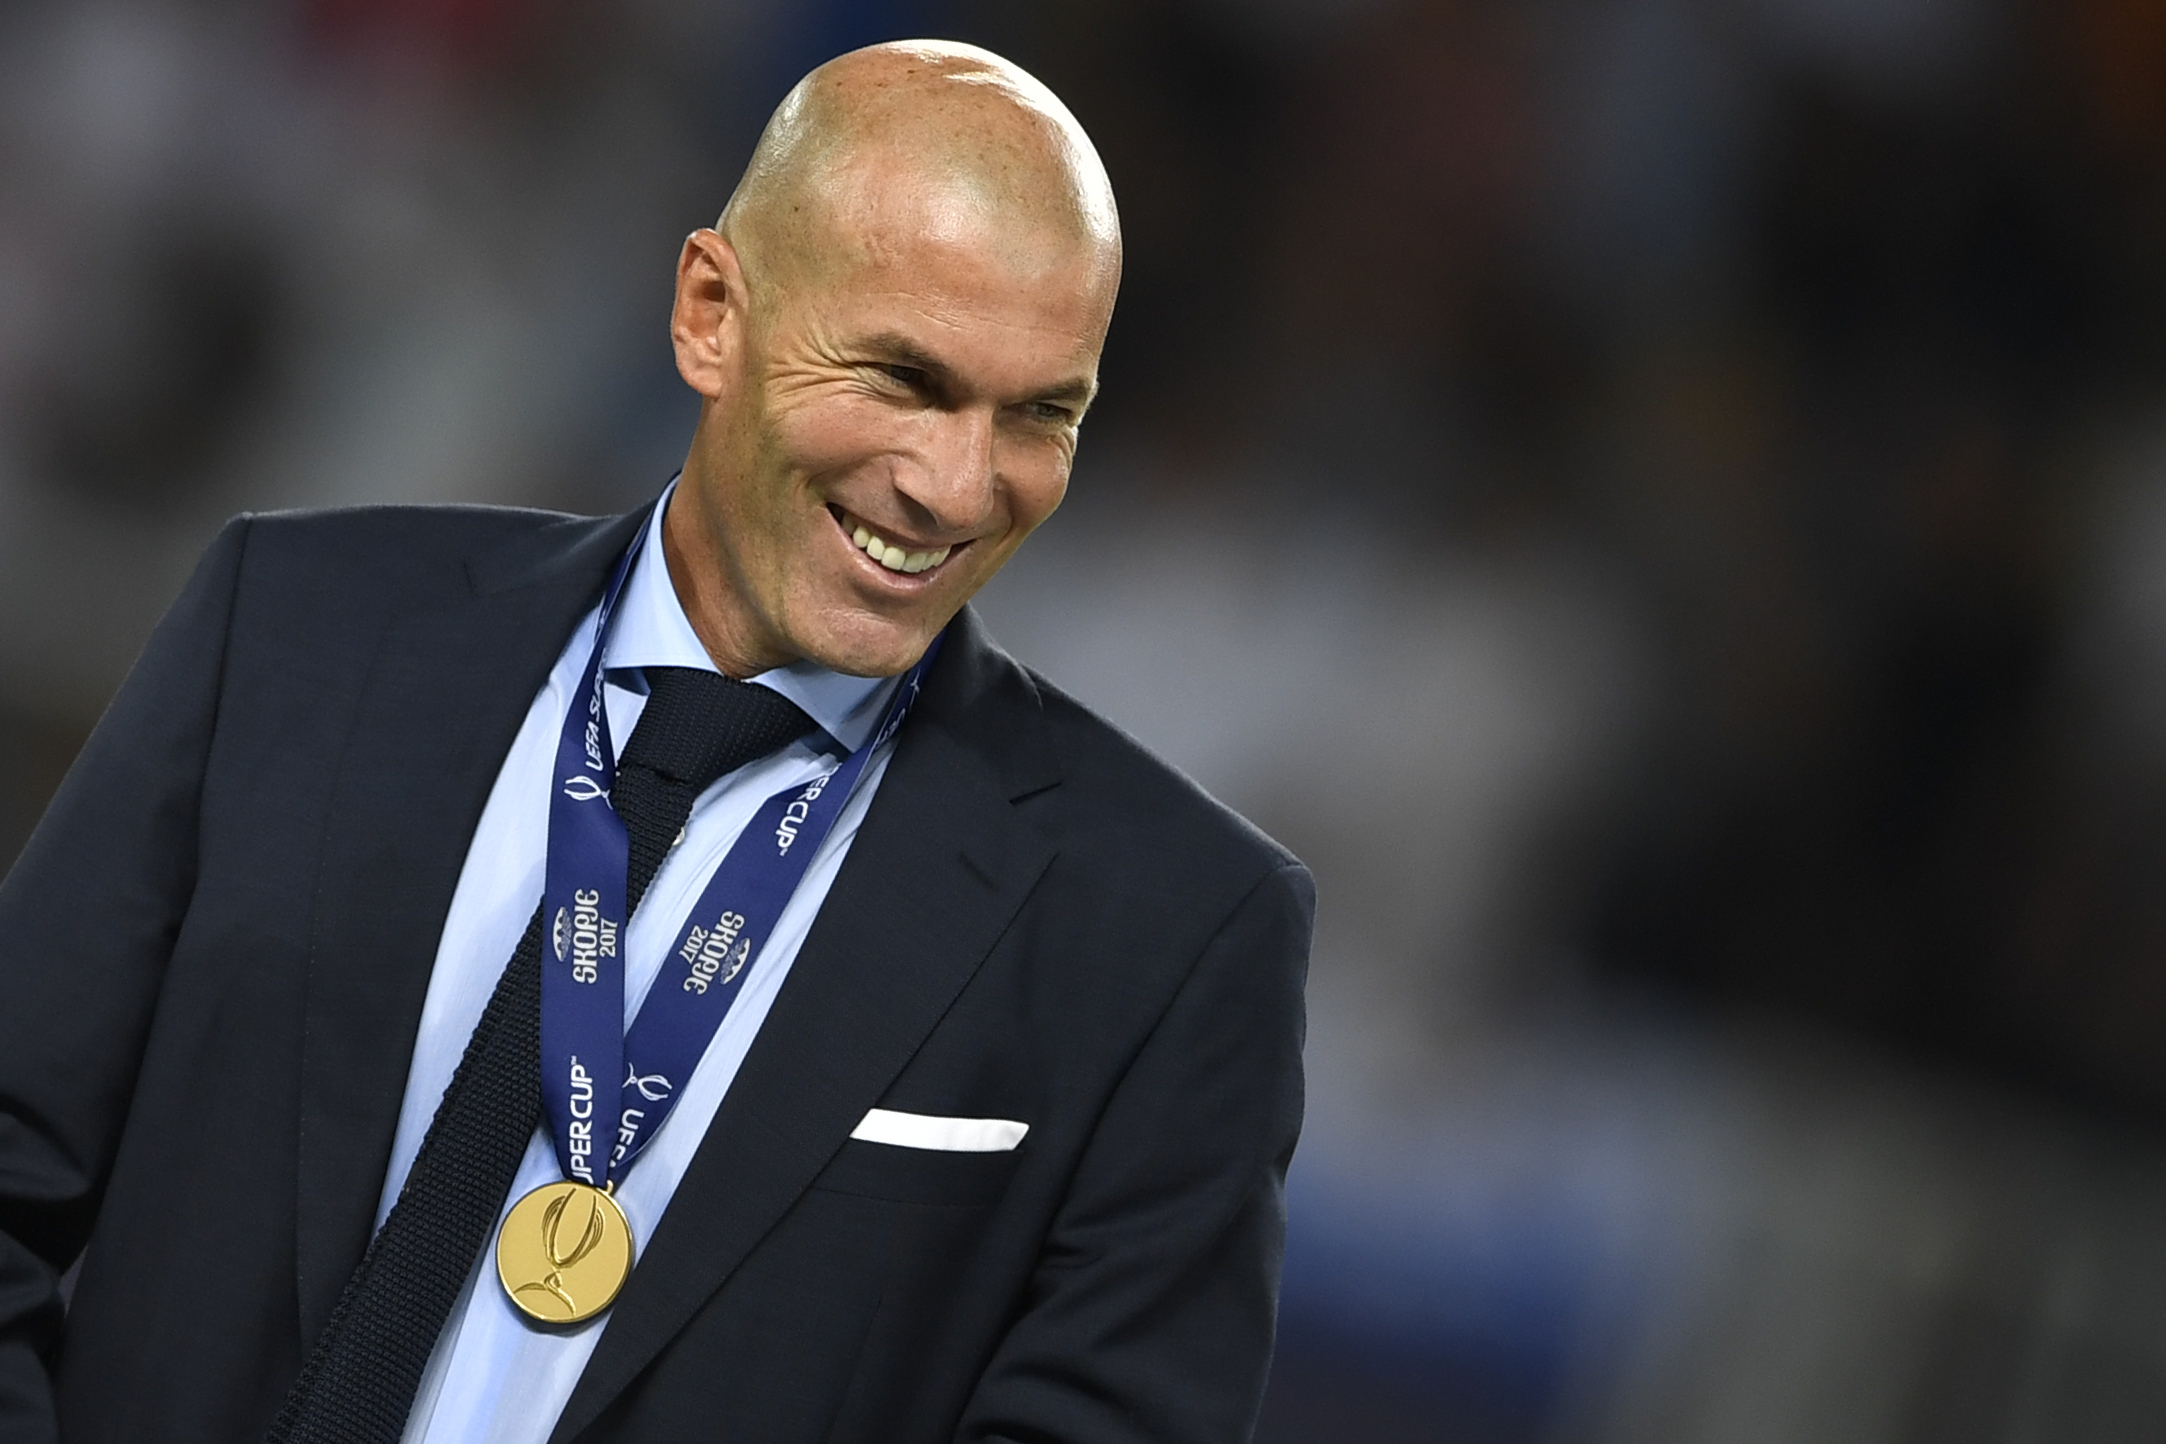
(494, 1377)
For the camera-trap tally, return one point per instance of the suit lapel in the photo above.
(944, 862)
(446, 693)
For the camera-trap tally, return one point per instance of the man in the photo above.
(984, 1141)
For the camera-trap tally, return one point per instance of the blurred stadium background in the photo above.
(1661, 502)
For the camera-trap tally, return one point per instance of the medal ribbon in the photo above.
(584, 1044)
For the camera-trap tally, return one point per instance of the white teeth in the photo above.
(888, 555)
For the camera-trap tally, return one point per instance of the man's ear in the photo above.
(707, 323)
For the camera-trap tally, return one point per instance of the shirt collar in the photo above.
(651, 630)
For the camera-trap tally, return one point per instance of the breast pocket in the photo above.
(918, 1175)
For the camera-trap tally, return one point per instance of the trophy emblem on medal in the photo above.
(564, 1252)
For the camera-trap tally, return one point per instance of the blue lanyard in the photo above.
(584, 1044)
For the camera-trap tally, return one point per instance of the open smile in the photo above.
(895, 556)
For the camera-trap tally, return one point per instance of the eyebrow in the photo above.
(900, 350)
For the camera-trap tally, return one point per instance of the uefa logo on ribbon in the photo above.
(581, 788)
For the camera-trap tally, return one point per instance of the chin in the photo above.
(877, 651)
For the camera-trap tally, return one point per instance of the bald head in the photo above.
(927, 140)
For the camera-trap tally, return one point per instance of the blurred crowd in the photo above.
(1661, 502)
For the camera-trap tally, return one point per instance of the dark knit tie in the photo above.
(358, 1385)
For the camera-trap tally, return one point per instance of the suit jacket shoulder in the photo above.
(1147, 831)
(1137, 790)
(398, 556)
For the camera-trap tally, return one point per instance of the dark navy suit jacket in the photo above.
(213, 955)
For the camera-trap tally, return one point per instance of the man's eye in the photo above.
(909, 376)
(1050, 412)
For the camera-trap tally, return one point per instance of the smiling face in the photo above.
(890, 407)
(892, 437)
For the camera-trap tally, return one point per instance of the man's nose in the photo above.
(954, 481)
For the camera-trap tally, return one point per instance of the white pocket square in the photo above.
(949, 1135)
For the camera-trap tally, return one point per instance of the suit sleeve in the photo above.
(88, 916)
(1152, 1314)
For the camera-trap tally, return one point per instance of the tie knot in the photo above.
(698, 725)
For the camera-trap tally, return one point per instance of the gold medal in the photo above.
(564, 1251)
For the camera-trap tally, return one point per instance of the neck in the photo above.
(696, 575)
